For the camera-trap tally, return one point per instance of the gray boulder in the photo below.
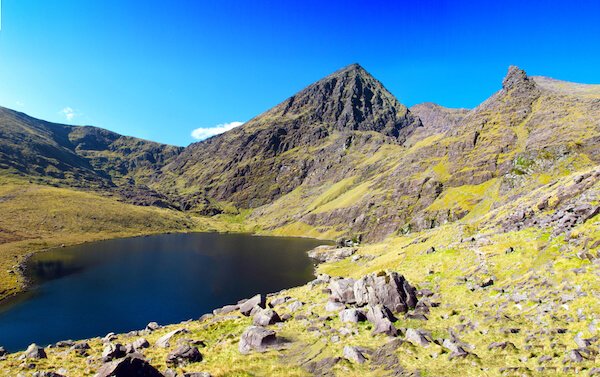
(342, 290)
(183, 355)
(128, 367)
(389, 289)
(34, 352)
(417, 337)
(334, 306)
(266, 317)
(354, 354)
(247, 306)
(382, 319)
(113, 351)
(256, 338)
(352, 315)
(164, 340)
(140, 344)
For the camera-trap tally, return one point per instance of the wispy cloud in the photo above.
(19, 104)
(69, 113)
(206, 132)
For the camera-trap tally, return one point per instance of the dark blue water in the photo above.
(121, 285)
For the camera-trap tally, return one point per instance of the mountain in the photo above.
(82, 157)
(294, 142)
(492, 214)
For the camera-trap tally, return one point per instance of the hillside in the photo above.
(491, 214)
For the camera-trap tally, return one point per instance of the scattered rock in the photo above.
(113, 351)
(247, 307)
(388, 289)
(266, 317)
(324, 254)
(152, 326)
(140, 344)
(354, 354)
(352, 315)
(226, 309)
(381, 317)
(417, 337)
(256, 338)
(184, 355)
(34, 352)
(128, 367)
(164, 340)
(322, 367)
(342, 290)
(334, 306)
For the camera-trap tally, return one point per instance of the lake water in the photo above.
(120, 285)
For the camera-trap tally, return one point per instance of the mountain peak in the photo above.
(516, 78)
(349, 99)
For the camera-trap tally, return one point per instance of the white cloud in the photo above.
(205, 133)
(69, 113)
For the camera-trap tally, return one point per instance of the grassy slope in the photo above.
(35, 217)
(544, 267)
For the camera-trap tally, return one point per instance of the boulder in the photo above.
(34, 352)
(183, 355)
(342, 290)
(140, 343)
(256, 338)
(294, 306)
(324, 254)
(128, 367)
(352, 315)
(47, 374)
(266, 317)
(381, 317)
(388, 289)
(247, 307)
(417, 337)
(226, 309)
(164, 340)
(354, 354)
(152, 326)
(334, 306)
(113, 351)
(2, 351)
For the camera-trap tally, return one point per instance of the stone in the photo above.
(164, 341)
(455, 349)
(183, 355)
(128, 367)
(256, 338)
(2, 351)
(266, 317)
(381, 317)
(140, 343)
(34, 352)
(342, 290)
(417, 337)
(388, 289)
(113, 351)
(152, 326)
(47, 374)
(324, 254)
(247, 307)
(226, 309)
(334, 306)
(197, 374)
(292, 307)
(322, 367)
(354, 354)
(352, 315)
(109, 337)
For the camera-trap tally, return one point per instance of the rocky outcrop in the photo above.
(129, 366)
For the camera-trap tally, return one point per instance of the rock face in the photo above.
(354, 354)
(342, 290)
(130, 366)
(256, 338)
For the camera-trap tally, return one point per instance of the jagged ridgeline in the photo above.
(342, 157)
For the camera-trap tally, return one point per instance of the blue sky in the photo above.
(160, 69)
